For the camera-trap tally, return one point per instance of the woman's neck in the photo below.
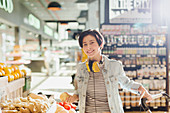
(97, 58)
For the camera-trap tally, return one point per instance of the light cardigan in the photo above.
(113, 74)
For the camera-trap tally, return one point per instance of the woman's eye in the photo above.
(91, 42)
(84, 44)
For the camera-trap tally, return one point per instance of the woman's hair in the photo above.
(98, 36)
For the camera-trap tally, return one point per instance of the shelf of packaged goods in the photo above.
(132, 55)
(12, 89)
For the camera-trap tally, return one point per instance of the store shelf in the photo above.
(19, 62)
(144, 56)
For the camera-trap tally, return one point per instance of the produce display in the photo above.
(31, 104)
(13, 72)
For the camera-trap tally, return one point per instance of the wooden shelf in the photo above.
(12, 89)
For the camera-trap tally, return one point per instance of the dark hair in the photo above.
(98, 36)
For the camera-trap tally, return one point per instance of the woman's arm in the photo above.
(147, 95)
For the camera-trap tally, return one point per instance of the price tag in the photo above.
(127, 107)
(162, 66)
(131, 78)
(149, 65)
(151, 78)
(148, 55)
(127, 65)
(119, 55)
(108, 44)
(155, 107)
(133, 55)
(139, 77)
(127, 55)
(133, 66)
(161, 78)
(153, 55)
(138, 56)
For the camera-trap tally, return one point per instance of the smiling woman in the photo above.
(98, 77)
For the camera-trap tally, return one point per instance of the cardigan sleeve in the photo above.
(126, 83)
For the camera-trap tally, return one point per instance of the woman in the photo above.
(97, 79)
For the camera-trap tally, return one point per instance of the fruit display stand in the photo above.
(11, 89)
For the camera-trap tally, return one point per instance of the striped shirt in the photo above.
(96, 99)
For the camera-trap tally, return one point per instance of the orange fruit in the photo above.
(16, 76)
(7, 70)
(10, 77)
(12, 69)
(1, 66)
(15, 67)
(20, 73)
(0, 74)
(3, 72)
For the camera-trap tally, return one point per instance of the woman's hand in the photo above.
(72, 99)
(144, 93)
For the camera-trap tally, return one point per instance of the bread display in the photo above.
(31, 104)
(64, 96)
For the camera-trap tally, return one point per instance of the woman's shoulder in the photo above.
(81, 64)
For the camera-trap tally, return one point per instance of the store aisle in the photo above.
(54, 85)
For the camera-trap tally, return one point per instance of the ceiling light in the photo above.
(54, 6)
(64, 23)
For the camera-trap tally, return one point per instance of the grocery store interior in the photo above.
(39, 50)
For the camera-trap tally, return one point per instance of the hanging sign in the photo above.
(7, 5)
(33, 21)
(48, 31)
(130, 11)
(55, 35)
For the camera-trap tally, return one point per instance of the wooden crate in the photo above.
(3, 81)
(13, 89)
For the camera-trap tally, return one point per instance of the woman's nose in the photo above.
(88, 47)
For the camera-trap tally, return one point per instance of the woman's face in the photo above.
(91, 47)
